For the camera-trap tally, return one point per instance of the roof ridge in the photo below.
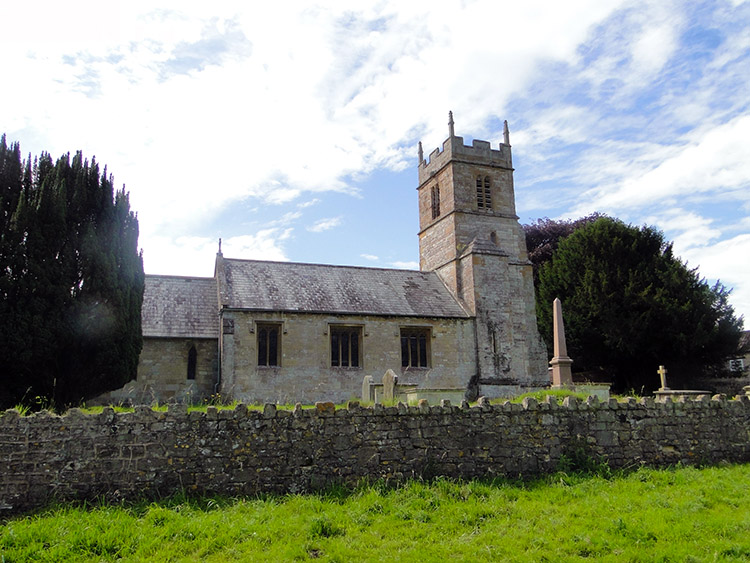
(316, 264)
(176, 277)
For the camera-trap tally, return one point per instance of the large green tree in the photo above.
(72, 280)
(630, 305)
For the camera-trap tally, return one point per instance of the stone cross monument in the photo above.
(663, 376)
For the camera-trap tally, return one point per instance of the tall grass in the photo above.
(684, 514)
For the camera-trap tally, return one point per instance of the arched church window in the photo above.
(487, 193)
(192, 361)
(493, 237)
(435, 202)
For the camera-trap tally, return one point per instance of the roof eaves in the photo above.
(347, 313)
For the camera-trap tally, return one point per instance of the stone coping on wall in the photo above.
(324, 409)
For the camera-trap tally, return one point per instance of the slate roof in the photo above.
(316, 288)
(180, 307)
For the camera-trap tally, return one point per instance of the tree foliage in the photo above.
(72, 280)
(544, 235)
(630, 305)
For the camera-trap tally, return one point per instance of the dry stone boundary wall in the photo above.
(148, 453)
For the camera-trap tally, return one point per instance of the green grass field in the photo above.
(685, 514)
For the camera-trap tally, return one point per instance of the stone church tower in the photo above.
(470, 235)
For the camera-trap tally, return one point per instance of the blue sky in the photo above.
(290, 129)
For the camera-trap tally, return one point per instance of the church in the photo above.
(283, 332)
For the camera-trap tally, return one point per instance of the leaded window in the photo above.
(345, 346)
(268, 344)
(415, 347)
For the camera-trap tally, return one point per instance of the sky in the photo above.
(290, 129)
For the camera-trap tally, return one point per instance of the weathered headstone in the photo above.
(390, 380)
(367, 389)
(561, 374)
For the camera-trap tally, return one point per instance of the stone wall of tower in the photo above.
(454, 171)
(480, 254)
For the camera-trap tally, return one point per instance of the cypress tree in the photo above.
(72, 283)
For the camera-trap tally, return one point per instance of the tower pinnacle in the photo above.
(421, 153)
(506, 133)
(451, 133)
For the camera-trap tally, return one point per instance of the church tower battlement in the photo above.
(466, 195)
(470, 235)
(479, 152)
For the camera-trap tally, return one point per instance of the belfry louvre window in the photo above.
(345, 346)
(268, 344)
(435, 202)
(484, 193)
(414, 347)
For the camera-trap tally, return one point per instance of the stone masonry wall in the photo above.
(305, 373)
(162, 373)
(237, 452)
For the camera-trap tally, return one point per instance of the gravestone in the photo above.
(390, 380)
(367, 389)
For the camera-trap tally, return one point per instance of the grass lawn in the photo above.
(684, 514)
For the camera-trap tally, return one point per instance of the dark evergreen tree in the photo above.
(630, 305)
(543, 236)
(72, 281)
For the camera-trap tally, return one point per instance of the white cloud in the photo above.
(658, 39)
(40, 23)
(635, 46)
(285, 219)
(324, 225)
(266, 244)
(309, 203)
(727, 261)
(194, 256)
(715, 161)
(370, 257)
(690, 229)
(405, 265)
